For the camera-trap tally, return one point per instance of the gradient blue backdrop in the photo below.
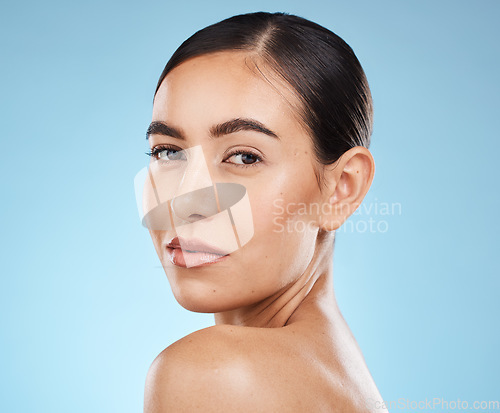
(84, 304)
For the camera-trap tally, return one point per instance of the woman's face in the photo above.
(278, 173)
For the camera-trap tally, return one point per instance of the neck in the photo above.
(310, 296)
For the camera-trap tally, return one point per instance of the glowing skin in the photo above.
(280, 342)
(193, 98)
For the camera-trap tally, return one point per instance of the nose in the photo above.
(195, 197)
(194, 205)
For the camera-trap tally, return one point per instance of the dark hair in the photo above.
(321, 68)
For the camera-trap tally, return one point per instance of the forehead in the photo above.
(214, 87)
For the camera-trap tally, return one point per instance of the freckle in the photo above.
(213, 291)
(253, 291)
(357, 172)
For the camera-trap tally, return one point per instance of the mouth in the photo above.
(193, 253)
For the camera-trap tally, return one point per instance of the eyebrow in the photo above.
(226, 128)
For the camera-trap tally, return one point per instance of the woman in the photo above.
(273, 113)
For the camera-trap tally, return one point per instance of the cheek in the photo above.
(292, 198)
(284, 229)
(157, 237)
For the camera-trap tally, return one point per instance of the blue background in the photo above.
(84, 304)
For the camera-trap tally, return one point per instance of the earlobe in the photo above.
(349, 182)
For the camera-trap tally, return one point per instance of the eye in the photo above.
(167, 153)
(244, 158)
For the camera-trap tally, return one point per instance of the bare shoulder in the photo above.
(244, 369)
(220, 368)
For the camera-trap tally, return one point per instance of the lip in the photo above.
(193, 252)
(194, 245)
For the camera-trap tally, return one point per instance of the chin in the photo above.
(202, 297)
(203, 304)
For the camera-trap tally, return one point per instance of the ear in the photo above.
(348, 180)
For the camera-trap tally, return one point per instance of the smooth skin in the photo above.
(280, 343)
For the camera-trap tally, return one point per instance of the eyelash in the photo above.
(160, 148)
